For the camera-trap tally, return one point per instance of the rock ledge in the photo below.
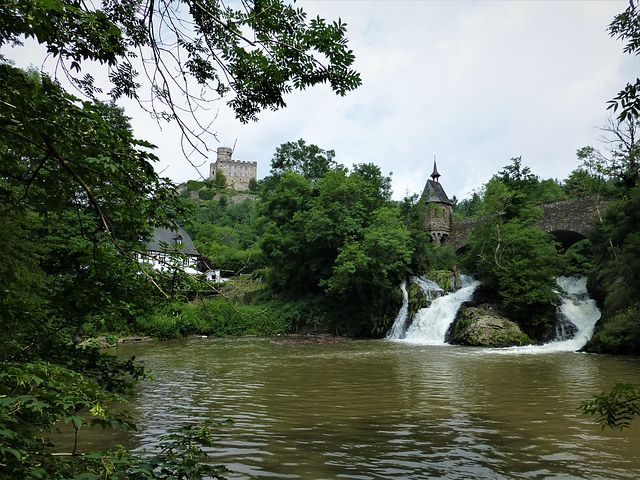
(485, 326)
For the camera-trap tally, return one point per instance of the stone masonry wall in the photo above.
(239, 173)
(438, 221)
(460, 232)
(580, 215)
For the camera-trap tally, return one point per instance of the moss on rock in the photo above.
(485, 326)
(444, 279)
(417, 299)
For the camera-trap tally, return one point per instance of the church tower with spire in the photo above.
(439, 216)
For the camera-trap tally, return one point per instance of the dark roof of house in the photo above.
(175, 238)
(433, 192)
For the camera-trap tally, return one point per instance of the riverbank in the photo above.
(297, 340)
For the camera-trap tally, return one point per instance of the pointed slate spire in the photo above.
(435, 175)
(433, 191)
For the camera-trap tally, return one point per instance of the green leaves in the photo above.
(617, 408)
(374, 262)
(514, 259)
(337, 235)
(34, 397)
(310, 161)
(77, 194)
(626, 27)
(259, 53)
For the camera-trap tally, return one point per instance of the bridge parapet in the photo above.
(460, 232)
(579, 216)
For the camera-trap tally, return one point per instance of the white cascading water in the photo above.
(577, 316)
(430, 288)
(430, 324)
(400, 323)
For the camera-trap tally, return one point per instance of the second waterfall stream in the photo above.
(577, 315)
(431, 323)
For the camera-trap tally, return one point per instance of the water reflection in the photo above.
(377, 409)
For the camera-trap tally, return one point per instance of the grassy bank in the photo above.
(241, 312)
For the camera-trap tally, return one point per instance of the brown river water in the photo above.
(380, 409)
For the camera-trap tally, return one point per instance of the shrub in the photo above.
(620, 334)
(174, 320)
(194, 185)
(206, 194)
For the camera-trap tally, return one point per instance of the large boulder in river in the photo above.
(484, 326)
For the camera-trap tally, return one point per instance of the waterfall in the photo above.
(430, 324)
(400, 323)
(430, 288)
(577, 315)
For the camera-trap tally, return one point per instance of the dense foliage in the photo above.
(310, 161)
(325, 239)
(258, 53)
(516, 262)
(225, 231)
(79, 195)
(340, 235)
(71, 174)
(615, 275)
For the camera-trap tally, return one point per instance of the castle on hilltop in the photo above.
(237, 172)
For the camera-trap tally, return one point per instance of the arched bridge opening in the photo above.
(566, 238)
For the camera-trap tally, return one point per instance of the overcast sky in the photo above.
(475, 82)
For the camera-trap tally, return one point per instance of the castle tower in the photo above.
(238, 173)
(439, 216)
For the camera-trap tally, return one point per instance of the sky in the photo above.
(475, 83)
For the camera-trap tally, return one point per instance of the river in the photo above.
(380, 409)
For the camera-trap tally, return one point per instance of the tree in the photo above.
(78, 193)
(310, 161)
(376, 260)
(583, 182)
(339, 236)
(258, 53)
(220, 180)
(521, 185)
(620, 160)
(616, 276)
(619, 241)
(468, 207)
(514, 260)
(626, 27)
(547, 190)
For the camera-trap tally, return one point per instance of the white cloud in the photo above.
(475, 82)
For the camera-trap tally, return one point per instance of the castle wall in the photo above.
(438, 222)
(238, 173)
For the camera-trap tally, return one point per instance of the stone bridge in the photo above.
(569, 221)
